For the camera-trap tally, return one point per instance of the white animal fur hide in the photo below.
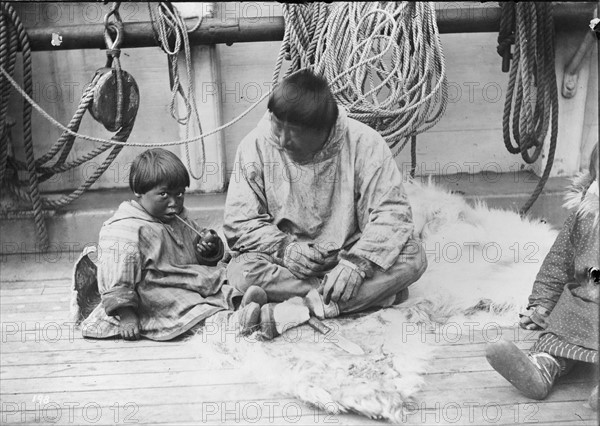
(482, 264)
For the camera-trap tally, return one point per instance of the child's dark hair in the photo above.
(154, 167)
(304, 99)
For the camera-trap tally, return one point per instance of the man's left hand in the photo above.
(342, 282)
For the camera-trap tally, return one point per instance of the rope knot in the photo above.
(113, 53)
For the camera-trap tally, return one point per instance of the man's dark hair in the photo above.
(304, 99)
(155, 167)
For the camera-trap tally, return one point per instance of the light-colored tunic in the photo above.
(152, 267)
(351, 191)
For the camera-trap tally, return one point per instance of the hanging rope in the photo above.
(13, 36)
(11, 24)
(383, 60)
(531, 103)
(170, 28)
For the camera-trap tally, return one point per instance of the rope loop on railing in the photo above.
(383, 60)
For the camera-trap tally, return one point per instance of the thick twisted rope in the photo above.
(11, 15)
(61, 166)
(300, 37)
(121, 135)
(4, 90)
(532, 96)
(383, 60)
(167, 22)
(66, 140)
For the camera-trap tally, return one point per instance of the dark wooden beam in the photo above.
(451, 19)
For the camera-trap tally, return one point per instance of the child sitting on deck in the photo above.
(564, 302)
(157, 273)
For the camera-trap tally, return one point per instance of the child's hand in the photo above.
(207, 244)
(534, 318)
(528, 324)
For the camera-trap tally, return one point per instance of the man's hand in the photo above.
(207, 245)
(306, 260)
(534, 318)
(342, 282)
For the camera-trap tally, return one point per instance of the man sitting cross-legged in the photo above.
(319, 210)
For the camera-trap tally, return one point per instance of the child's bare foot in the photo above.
(129, 324)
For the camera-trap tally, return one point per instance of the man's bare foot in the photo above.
(129, 324)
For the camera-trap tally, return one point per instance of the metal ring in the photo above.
(118, 28)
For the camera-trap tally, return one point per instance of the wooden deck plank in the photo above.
(28, 307)
(32, 284)
(132, 380)
(37, 290)
(48, 298)
(120, 353)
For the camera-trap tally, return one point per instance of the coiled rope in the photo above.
(383, 60)
(531, 102)
(169, 26)
(13, 36)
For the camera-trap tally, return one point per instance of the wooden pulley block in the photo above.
(104, 106)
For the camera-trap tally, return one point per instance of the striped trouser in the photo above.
(553, 345)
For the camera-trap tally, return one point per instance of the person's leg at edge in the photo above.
(533, 373)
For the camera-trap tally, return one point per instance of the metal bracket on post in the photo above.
(571, 74)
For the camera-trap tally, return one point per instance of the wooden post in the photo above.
(571, 111)
(206, 78)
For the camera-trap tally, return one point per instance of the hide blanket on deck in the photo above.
(482, 265)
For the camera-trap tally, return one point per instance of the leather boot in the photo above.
(317, 307)
(532, 374)
(255, 294)
(246, 319)
(276, 318)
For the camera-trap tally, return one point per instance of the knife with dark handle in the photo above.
(337, 339)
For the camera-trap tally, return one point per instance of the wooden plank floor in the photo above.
(49, 374)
